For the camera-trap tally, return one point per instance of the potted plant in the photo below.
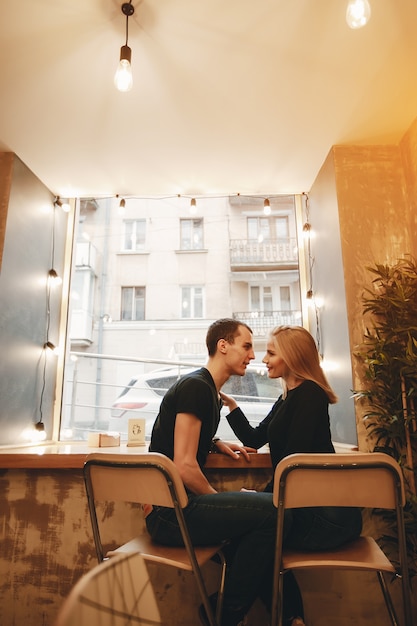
(389, 358)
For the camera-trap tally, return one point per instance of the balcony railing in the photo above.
(261, 322)
(268, 253)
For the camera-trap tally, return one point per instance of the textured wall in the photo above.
(46, 545)
(46, 542)
(6, 168)
(330, 326)
(374, 215)
(369, 194)
(35, 240)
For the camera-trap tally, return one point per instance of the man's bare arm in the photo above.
(186, 438)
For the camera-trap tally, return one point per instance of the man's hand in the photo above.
(235, 450)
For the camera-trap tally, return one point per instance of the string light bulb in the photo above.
(123, 78)
(48, 345)
(53, 278)
(267, 207)
(63, 205)
(193, 206)
(40, 433)
(358, 13)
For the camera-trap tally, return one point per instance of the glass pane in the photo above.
(140, 234)
(285, 296)
(255, 299)
(198, 302)
(128, 238)
(268, 308)
(127, 303)
(252, 228)
(157, 306)
(186, 234)
(139, 303)
(186, 302)
(282, 227)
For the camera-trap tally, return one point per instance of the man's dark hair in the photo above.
(225, 328)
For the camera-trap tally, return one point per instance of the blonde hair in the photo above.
(299, 352)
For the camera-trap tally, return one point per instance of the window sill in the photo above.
(73, 455)
(200, 251)
(67, 455)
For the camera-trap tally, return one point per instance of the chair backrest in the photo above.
(114, 593)
(371, 480)
(147, 478)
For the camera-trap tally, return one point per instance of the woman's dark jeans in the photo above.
(315, 528)
(248, 518)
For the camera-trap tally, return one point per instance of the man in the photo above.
(184, 430)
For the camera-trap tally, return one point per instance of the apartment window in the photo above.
(133, 304)
(267, 228)
(261, 299)
(285, 298)
(134, 232)
(192, 302)
(191, 234)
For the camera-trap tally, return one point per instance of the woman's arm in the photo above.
(255, 437)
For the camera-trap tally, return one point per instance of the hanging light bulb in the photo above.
(193, 206)
(48, 345)
(40, 433)
(123, 78)
(267, 207)
(65, 206)
(358, 13)
(53, 278)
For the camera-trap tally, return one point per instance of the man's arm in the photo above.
(186, 438)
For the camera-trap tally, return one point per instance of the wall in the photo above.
(46, 544)
(25, 377)
(375, 206)
(331, 326)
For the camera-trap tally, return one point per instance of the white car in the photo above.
(255, 393)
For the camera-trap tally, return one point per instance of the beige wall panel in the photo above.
(374, 217)
(6, 171)
(408, 147)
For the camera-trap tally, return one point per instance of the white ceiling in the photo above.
(229, 96)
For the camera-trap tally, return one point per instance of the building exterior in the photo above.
(150, 275)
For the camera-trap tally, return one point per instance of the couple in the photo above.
(298, 422)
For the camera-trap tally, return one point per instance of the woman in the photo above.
(298, 422)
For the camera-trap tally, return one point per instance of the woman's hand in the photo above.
(235, 450)
(228, 401)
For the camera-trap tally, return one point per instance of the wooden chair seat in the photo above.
(150, 478)
(365, 480)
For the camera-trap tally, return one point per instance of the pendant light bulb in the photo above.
(358, 13)
(123, 78)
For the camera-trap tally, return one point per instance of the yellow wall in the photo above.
(376, 190)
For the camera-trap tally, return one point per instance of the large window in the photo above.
(265, 229)
(191, 234)
(133, 304)
(134, 233)
(192, 305)
(143, 295)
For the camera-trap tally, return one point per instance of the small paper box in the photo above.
(109, 440)
(136, 431)
(103, 440)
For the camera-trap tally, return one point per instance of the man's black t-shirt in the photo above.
(195, 393)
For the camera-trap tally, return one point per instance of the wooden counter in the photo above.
(73, 455)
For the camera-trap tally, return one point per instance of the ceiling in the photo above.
(229, 96)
